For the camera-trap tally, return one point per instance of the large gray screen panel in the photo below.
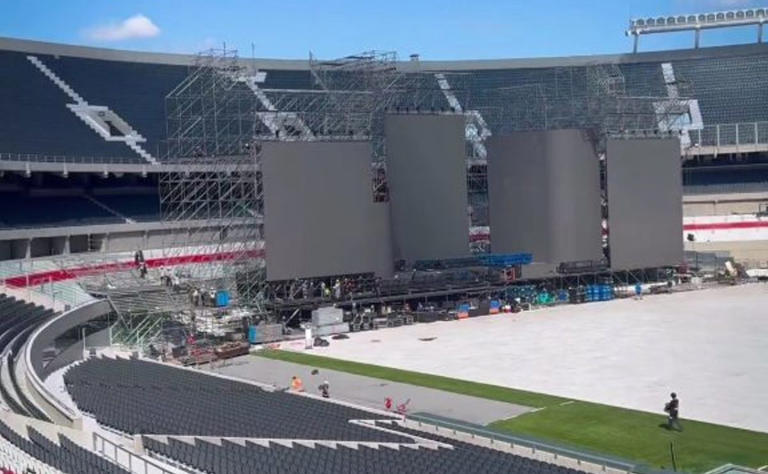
(319, 214)
(544, 195)
(645, 210)
(427, 179)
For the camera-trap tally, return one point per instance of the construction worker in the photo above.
(325, 389)
(296, 384)
(673, 413)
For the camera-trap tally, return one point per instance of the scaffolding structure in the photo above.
(212, 123)
(593, 97)
(217, 118)
(219, 115)
(347, 99)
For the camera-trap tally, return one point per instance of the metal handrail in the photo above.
(43, 158)
(526, 442)
(125, 458)
(730, 134)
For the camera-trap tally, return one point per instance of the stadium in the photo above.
(213, 263)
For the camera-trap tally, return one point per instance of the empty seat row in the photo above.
(142, 397)
(248, 457)
(17, 320)
(66, 456)
(52, 211)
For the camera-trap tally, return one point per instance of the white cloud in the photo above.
(137, 26)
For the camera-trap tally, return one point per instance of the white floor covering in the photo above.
(709, 346)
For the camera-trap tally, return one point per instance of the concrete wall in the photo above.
(126, 241)
(65, 240)
(723, 204)
(60, 325)
(75, 351)
(32, 363)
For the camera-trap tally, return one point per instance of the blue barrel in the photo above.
(222, 298)
(253, 335)
(596, 295)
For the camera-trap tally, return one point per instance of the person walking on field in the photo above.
(325, 389)
(673, 412)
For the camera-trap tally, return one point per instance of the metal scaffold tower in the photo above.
(214, 182)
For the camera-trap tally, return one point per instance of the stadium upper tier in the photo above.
(80, 103)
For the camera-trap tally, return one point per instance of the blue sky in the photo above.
(332, 28)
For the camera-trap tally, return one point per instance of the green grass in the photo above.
(482, 390)
(628, 434)
(637, 435)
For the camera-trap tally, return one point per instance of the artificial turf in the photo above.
(621, 432)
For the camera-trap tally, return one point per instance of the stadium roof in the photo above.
(40, 47)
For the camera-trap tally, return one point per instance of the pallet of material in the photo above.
(232, 349)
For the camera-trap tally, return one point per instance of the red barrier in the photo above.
(40, 278)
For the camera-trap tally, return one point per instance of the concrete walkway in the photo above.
(372, 392)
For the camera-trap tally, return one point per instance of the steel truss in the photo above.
(212, 121)
(594, 97)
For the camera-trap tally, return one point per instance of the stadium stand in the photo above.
(455, 457)
(134, 90)
(730, 89)
(17, 320)
(641, 78)
(52, 211)
(42, 124)
(730, 84)
(276, 79)
(148, 398)
(140, 207)
(725, 180)
(66, 456)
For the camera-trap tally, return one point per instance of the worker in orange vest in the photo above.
(296, 384)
